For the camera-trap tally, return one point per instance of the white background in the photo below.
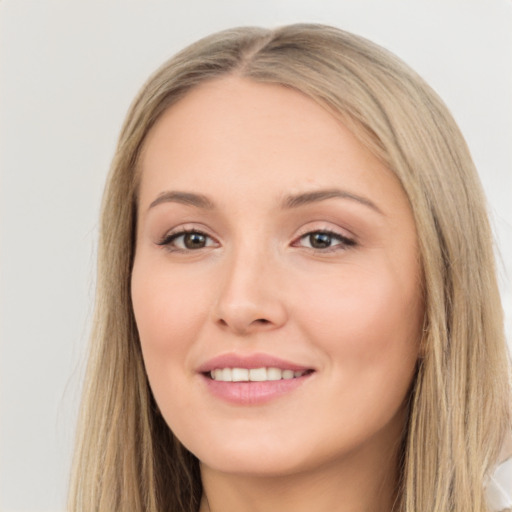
(68, 73)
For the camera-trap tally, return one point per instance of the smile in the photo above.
(252, 379)
(255, 374)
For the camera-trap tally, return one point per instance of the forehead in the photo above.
(233, 110)
(256, 136)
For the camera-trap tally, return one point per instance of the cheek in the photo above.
(160, 313)
(369, 322)
(168, 312)
(369, 330)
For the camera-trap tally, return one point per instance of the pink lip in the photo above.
(251, 393)
(249, 361)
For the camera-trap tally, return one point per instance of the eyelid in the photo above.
(171, 235)
(325, 227)
(346, 241)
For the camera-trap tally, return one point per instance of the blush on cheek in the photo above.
(374, 323)
(162, 310)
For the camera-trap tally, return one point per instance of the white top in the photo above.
(499, 488)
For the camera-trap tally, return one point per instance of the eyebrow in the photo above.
(188, 198)
(305, 198)
(292, 201)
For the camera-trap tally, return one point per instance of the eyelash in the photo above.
(344, 242)
(168, 239)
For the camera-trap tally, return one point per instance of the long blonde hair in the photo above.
(127, 459)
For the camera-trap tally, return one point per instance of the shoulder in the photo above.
(499, 488)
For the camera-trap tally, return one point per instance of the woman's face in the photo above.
(276, 282)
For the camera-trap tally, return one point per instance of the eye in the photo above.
(324, 240)
(187, 240)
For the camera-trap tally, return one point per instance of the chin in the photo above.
(263, 466)
(278, 457)
(265, 459)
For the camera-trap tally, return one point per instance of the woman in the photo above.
(297, 304)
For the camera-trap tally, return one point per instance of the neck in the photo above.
(355, 485)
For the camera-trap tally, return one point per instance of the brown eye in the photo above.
(194, 240)
(187, 241)
(322, 240)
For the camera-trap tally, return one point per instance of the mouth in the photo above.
(254, 379)
(263, 374)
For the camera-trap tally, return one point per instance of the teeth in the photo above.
(288, 374)
(257, 374)
(274, 374)
(254, 374)
(240, 374)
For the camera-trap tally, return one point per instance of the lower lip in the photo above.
(253, 393)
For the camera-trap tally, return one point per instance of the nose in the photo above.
(250, 298)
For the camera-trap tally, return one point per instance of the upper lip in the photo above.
(232, 360)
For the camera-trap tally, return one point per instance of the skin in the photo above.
(352, 311)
